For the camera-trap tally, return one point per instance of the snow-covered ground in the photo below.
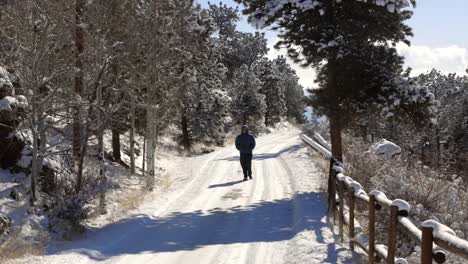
(208, 215)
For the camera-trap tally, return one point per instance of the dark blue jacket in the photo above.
(245, 143)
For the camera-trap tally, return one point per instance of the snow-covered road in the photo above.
(213, 217)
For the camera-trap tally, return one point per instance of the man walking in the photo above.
(245, 143)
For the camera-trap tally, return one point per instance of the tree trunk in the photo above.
(42, 130)
(332, 86)
(78, 88)
(102, 175)
(151, 159)
(116, 145)
(83, 150)
(335, 135)
(364, 133)
(35, 150)
(150, 149)
(185, 132)
(38, 130)
(143, 159)
(335, 120)
(132, 135)
(101, 156)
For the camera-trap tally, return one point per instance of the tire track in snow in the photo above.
(227, 256)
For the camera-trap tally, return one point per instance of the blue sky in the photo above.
(441, 23)
(441, 37)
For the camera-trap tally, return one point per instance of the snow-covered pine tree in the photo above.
(273, 87)
(440, 143)
(201, 102)
(248, 104)
(208, 100)
(293, 92)
(158, 68)
(225, 19)
(238, 48)
(209, 114)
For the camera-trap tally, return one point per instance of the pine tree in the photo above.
(208, 100)
(159, 69)
(293, 91)
(328, 30)
(238, 48)
(248, 105)
(273, 88)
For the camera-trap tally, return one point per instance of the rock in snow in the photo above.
(385, 149)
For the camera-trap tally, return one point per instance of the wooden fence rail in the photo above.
(344, 193)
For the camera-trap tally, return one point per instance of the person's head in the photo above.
(245, 129)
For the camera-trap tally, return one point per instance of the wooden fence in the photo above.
(344, 195)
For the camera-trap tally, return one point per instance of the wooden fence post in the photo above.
(371, 229)
(331, 199)
(392, 234)
(341, 213)
(351, 219)
(333, 191)
(426, 245)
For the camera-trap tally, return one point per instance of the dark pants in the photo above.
(246, 163)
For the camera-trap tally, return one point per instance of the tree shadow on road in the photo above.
(266, 221)
(265, 156)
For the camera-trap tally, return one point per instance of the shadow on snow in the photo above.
(265, 156)
(266, 221)
(226, 184)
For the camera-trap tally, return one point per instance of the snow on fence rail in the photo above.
(314, 144)
(322, 141)
(433, 237)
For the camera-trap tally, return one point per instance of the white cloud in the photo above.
(451, 59)
(306, 75)
(422, 59)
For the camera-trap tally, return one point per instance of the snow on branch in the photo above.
(274, 7)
